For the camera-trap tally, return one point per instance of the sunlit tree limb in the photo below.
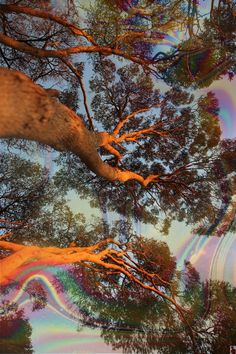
(65, 52)
(36, 115)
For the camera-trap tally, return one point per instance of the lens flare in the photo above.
(225, 92)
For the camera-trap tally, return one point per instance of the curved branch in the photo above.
(64, 52)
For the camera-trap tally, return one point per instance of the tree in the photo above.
(136, 320)
(132, 318)
(144, 266)
(67, 131)
(23, 187)
(172, 134)
(145, 262)
(136, 28)
(213, 305)
(15, 330)
(40, 45)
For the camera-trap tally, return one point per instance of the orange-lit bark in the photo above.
(133, 136)
(124, 120)
(96, 254)
(23, 255)
(28, 112)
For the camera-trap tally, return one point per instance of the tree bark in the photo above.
(24, 256)
(27, 111)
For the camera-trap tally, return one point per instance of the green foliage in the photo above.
(31, 208)
(185, 136)
(15, 330)
(134, 319)
(208, 54)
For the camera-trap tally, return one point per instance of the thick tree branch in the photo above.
(27, 112)
(109, 148)
(23, 255)
(64, 52)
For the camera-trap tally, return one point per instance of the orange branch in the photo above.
(137, 134)
(132, 115)
(62, 53)
(112, 151)
(124, 176)
(5, 235)
(47, 15)
(130, 34)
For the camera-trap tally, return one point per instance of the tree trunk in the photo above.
(28, 112)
